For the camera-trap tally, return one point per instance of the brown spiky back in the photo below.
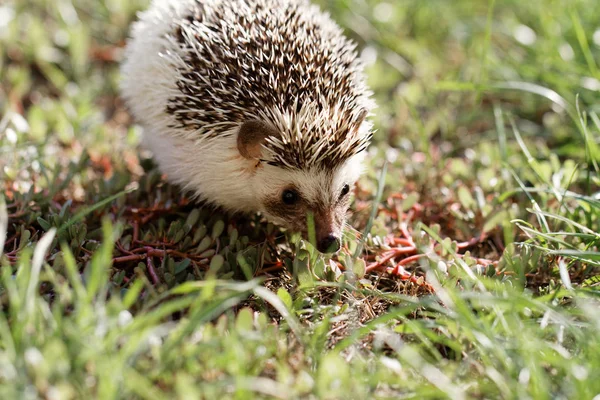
(281, 61)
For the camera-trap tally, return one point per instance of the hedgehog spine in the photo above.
(196, 71)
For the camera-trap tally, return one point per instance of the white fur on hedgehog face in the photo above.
(324, 193)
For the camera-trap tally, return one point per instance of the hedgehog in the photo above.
(254, 106)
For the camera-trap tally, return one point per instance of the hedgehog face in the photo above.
(288, 197)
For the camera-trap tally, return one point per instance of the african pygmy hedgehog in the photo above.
(252, 105)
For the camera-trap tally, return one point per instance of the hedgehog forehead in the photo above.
(318, 187)
(314, 186)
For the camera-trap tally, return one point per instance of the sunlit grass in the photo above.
(481, 190)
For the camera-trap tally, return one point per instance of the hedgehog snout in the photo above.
(328, 228)
(328, 222)
(329, 244)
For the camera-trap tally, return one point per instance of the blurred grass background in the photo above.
(488, 120)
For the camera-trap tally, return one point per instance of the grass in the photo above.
(477, 277)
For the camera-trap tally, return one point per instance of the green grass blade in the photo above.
(3, 224)
(83, 213)
(583, 43)
(36, 266)
(376, 201)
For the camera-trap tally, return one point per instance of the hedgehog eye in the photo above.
(290, 197)
(345, 191)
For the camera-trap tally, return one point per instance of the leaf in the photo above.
(182, 266)
(44, 224)
(193, 217)
(465, 198)
(286, 298)
(216, 263)
(199, 234)
(359, 268)
(218, 229)
(411, 199)
(318, 268)
(592, 256)
(204, 245)
(247, 268)
(244, 320)
(24, 240)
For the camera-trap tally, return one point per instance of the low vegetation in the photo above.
(470, 270)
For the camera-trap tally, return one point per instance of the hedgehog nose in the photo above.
(330, 244)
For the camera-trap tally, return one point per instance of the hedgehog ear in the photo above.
(251, 136)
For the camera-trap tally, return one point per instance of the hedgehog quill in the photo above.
(253, 106)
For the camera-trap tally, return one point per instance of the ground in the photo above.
(471, 269)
